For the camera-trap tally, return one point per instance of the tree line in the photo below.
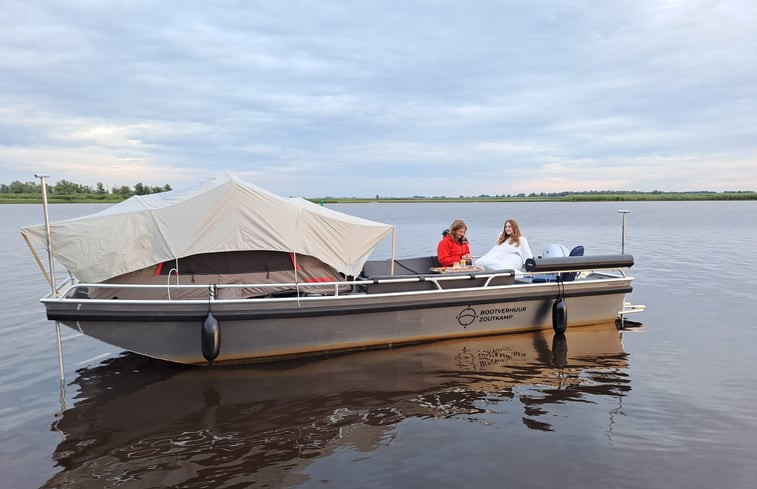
(64, 187)
(66, 191)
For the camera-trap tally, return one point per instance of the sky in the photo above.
(351, 98)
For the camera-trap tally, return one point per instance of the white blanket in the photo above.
(506, 256)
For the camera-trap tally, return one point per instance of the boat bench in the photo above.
(428, 281)
(405, 266)
(379, 271)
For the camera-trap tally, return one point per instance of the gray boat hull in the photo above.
(265, 329)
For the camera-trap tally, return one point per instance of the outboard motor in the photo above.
(555, 250)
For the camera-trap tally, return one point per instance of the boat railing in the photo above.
(432, 281)
(79, 290)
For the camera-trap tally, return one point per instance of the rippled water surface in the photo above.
(671, 404)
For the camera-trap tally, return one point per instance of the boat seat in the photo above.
(402, 266)
(384, 288)
(427, 282)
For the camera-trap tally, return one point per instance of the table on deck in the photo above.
(465, 269)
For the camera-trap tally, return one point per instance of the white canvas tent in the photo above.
(215, 216)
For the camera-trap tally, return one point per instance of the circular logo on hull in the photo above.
(466, 317)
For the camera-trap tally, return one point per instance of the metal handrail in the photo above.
(435, 279)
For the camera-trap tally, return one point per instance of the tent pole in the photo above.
(36, 257)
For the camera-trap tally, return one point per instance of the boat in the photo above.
(274, 420)
(225, 271)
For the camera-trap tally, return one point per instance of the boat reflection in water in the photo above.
(158, 424)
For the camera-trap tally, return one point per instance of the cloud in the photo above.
(364, 98)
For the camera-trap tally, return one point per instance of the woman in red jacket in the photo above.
(454, 246)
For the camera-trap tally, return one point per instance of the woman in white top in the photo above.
(510, 252)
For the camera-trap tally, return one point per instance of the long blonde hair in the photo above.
(457, 224)
(514, 237)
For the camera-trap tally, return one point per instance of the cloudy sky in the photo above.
(396, 98)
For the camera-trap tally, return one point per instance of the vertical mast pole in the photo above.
(53, 284)
(623, 232)
(43, 184)
(391, 267)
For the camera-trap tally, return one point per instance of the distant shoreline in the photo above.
(567, 197)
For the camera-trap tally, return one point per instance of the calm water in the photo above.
(673, 405)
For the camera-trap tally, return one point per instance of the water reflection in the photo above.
(152, 424)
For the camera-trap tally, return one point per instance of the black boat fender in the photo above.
(560, 309)
(559, 315)
(211, 338)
